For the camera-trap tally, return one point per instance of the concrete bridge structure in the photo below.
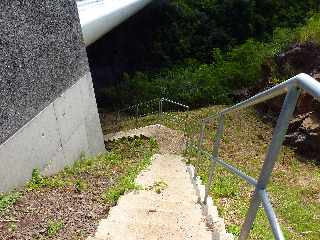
(48, 111)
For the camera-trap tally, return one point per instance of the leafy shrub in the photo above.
(7, 200)
(199, 84)
(310, 31)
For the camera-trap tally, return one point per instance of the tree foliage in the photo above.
(200, 52)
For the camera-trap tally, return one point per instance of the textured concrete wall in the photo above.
(57, 136)
(41, 55)
(48, 112)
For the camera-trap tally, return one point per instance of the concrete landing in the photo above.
(169, 207)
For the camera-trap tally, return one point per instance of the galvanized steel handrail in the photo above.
(293, 87)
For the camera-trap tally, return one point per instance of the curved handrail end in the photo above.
(309, 84)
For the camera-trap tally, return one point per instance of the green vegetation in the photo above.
(199, 84)
(8, 199)
(310, 31)
(96, 181)
(121, 157)
(127, 183)
(53, 227)
(158, 186)
(80, 185)
(294, 188)
(182, 29)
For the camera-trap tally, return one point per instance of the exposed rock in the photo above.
(299, 58)
(304, 134)
(304, 129)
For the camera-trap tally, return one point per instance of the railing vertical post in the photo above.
(160, 107)
(271, 157)
(137, 111)
(185, 129)
(215, 155)
(201, 137)
(118, 117)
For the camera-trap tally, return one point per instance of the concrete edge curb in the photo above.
(214, 222)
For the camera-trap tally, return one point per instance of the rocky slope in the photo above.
(304, 130)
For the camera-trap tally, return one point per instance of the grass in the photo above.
(126, 183)
(101, 180)
(122, 159)
(294, 187)
(8, 199)
(311, 30)
(53, 227)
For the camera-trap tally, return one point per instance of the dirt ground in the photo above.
(169, 140)
(79, 213)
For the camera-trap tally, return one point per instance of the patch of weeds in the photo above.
(158, 186)
(53, 227)
(126, 182)
(80, 185)
(113, 158)
(109, 174)
(234, 229)
(8, 199)
(37, 180)
(80, 166)
(153, 143)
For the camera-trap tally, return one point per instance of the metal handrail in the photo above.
(293, 87)
(303, 81)
(137, 110)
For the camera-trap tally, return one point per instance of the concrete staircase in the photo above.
(168, 207)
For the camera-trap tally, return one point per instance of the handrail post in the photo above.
(160, 107)
(215, 155)
(285, 116)
(201, 137)
(137, 113)
(185, 129)
(118, 117)
(137, 110)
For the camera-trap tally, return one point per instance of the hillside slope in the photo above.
(294, 187)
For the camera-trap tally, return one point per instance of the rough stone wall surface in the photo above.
(41, 55)
(48, 111)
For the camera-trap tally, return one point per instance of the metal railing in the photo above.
(293, 89)
(159, 110)
(154, 106)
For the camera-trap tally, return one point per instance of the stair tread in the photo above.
(150, 231)
(176, 213)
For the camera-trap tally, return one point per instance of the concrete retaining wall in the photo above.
(48, 112)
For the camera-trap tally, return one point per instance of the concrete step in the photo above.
(178, 196)
(148, 231)
(192, 217)
(151, 200)
(177, 212)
